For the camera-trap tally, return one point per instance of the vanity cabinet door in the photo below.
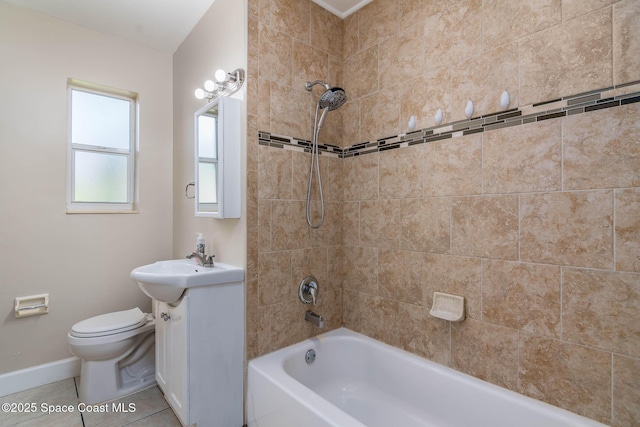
(172, 343)
(178, 395)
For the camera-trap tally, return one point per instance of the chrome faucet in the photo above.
(316, 319)
(203, 260)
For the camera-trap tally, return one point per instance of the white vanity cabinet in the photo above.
(199, 354)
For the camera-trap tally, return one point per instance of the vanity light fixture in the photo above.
(224, 84)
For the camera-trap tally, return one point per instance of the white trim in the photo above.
(36, 376)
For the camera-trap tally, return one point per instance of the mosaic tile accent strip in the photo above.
(608, 97)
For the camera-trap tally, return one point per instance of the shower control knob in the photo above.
(308, 290)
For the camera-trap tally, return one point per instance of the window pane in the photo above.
(100, 177)
(207, 189)
(99, 120)
(207, 137)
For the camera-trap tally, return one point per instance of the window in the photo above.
(102, 148)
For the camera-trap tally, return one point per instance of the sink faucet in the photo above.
(203, 260)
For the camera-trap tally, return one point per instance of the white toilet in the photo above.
(118, 354)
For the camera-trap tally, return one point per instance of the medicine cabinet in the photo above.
(217, 159)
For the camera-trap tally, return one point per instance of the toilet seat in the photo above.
(109, 324)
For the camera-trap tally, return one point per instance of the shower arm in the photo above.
(309, 85)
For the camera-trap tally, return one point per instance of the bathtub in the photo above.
(356, 381)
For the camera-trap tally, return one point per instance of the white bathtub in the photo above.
(356, 381)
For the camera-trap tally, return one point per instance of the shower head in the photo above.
(332, 98)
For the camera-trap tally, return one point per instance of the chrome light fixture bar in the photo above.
(224, 84)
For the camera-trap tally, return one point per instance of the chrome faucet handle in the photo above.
(308, 290)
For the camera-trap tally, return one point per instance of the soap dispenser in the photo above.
(200, 244)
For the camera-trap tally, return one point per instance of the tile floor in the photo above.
(151, 410)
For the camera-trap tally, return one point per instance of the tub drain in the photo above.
(310, 357)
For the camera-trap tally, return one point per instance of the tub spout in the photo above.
(316, 319)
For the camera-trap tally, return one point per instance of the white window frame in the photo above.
(130, 206)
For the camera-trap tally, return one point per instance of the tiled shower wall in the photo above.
(537, 225)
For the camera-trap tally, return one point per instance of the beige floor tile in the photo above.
(58, 393)
(139, 406)
(164, 418)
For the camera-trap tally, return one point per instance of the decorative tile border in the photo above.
(609, 97)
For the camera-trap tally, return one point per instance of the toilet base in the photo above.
(104, 380)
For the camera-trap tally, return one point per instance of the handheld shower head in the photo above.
(333, 98)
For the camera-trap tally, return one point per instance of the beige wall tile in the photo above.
(626, 41)
(482, 79)
(400, 275)
(626, 391)
(309, 262)
(264, 226)
(379, 318)
(300, 178)
(309, 64)
(573, 8)
(453, 166)
(600, 309)
(379, 223)
(523, 158)
(414, 11)
(485, 226)
(361, 177)
(275, 55)
(400, 173)
(507, 20)
(330, 233)
(290, 112)
(263, 105)
(332, 177)
(385, 15)
(361, 269)
(568, 59)
(569, 376)
(486, 351)
(401, 56)
(423, 334)
(380, 115)
(361, 73)
(274, 283)
(425, 224)
(274, 173)
(627, 206)
(574, 228)
(423, 96)
(289, 228)
(454, 275)
(351, 307)
(601, 149)
(291, 17)
(351, 123)
(445, 44)
(522, 296)
(326, 31)
(288, 325)
(351, 224)
(350, 35)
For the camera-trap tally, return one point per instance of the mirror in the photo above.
(217, 159)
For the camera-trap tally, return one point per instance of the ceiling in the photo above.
(342, 8)
(160, 24)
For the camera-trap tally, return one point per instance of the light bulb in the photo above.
(210, 86)
(199, 93)
(221, 75)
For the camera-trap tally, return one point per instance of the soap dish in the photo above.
(448, 307)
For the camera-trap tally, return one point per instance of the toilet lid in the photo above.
(110, 323)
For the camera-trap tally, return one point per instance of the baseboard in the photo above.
(24, 379)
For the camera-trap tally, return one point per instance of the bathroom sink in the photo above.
(167, 280)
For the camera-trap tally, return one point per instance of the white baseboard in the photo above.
(24, 379)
